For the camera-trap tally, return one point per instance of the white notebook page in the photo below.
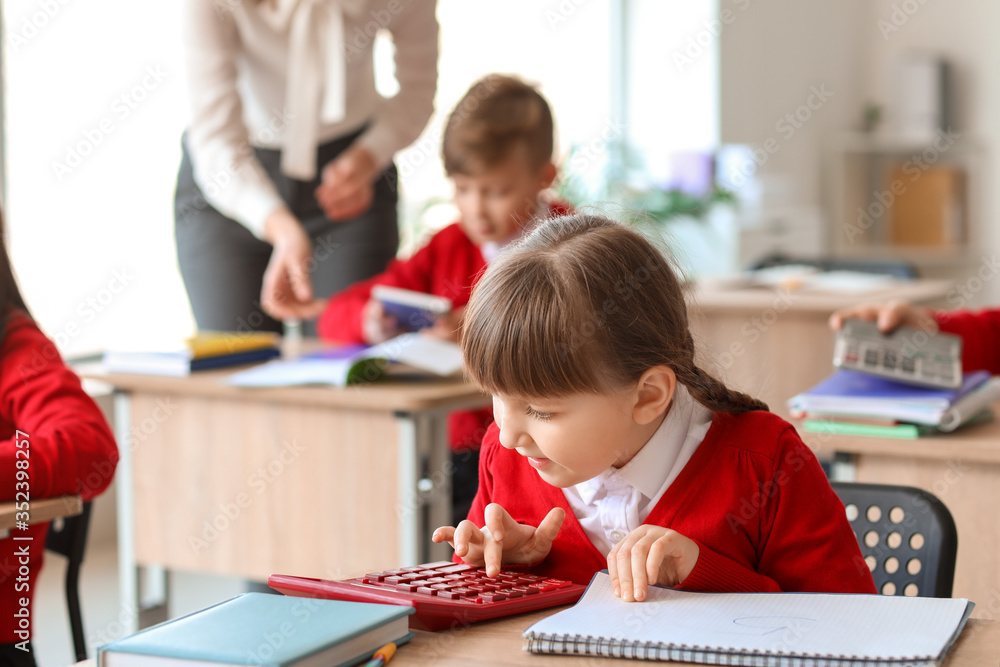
(864, 626)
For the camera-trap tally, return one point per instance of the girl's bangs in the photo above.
(532, 341)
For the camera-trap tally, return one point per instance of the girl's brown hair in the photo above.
(583, 305)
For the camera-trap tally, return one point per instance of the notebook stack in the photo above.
(206, 350)
(856, 403)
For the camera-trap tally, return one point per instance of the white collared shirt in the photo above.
(617, 501)
(291, 75)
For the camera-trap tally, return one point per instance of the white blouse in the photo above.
(291, 75)
(617, 501)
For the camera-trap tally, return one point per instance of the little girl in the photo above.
(51, 430)
(607, 430)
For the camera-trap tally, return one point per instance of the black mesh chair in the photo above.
(907, 537)
(68, 537)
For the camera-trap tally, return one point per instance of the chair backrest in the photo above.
(907, 537)
(68, 537)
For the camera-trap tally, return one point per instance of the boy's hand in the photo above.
(376, 326)
(888, 316)
(447, 326)
(347, 188)
(650, 555)
(503, 540)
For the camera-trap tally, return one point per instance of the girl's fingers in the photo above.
(637, 564)
(495, 519)
(443, 534)
(613, 570)
(465, 535)
(547, 530)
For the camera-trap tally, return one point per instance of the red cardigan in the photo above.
(980, 334)
(70, 450)
(449, 266)
(753, 497)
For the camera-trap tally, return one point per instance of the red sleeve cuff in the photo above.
(717, 573)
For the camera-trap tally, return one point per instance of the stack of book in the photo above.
(207, 349)
(856, 403)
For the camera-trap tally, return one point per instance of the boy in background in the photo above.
(497, 150)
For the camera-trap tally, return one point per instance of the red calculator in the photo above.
(445, 594)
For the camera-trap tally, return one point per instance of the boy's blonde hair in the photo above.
(583, 305)
(496, 115)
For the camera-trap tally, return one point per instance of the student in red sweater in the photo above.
(980, 331)
(497, 149)
(53, 441)
(612, 449)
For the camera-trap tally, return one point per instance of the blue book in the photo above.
(848, 392)
(263, 629)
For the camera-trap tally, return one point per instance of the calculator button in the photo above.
(491, 597)
(438, 564)
(373, 577)
(455, 569)
(410, 586)
(511, 593)
(426, 590)
(449, 595)
(871, 357)
(444, 587)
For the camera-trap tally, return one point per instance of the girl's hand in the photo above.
(503, 540)
(888, 315)
(286, 292)
(347, 188)
(650, 555)
(376, 326)
(447, 326)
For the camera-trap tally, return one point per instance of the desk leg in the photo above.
(152, 608)
(424, 486)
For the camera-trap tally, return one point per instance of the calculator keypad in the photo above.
(448, 581)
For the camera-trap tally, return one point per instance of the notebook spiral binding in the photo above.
(640, 650)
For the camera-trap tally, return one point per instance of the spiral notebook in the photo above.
(753, 629)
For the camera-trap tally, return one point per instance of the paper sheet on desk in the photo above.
(333, 367)
(870, 626)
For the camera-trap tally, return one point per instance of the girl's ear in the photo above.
(654, 391)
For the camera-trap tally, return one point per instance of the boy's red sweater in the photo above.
(70, 451)
(449, 265)
(753, 497)
(980, 334)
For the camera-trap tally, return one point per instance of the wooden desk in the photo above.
(774, 344)
(40, 511)
(499, 643)
(963, 470)
(313, 481)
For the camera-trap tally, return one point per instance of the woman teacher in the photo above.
(286, 189)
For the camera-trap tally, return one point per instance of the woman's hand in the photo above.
(503, 540)
(347, 188)
(376, 326)
(888, 316)
(287, 292)
(650, 555)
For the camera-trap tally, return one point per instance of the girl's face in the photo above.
(572, 439)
